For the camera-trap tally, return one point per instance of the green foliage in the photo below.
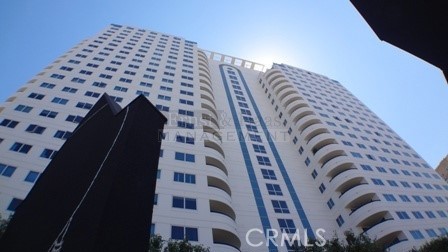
(156, 243)
(353, 243)
(438, 244)
(3, 224)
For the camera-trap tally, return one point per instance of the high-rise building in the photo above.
(245, 149)
(442, 168)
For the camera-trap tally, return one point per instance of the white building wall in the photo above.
(323, 116)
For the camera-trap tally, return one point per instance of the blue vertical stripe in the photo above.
(249, 167)
(281, 166)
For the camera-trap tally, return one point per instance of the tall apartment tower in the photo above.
(245, 150)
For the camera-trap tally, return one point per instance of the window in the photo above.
(184, 157)
(180, 233)
(287, 226)
(377, 182)
(48, 153)
(431, 233)
(404, 198)
(268, 174)
(99, 84)
(69, 90)
(163, 108)
(183, 139)
(59, 100)
(164, 97)
(274, 189)
(74, 119)
(259, 148)
(366, 167)
(185, 125)
(263, 160)
(9, 123)
(64, 135)
(389, 197)
(47, 85)
(417, 214)
(14, 204)
(185, 178)
(57, 76)
(20, 147)
(33, 128)
(314, 174)
(416, 234)
(48, 113)
(187, 102)
(402, 215)
(185, 203)
(392, 183)
(252, 128)
(84, 105)
(23, 108)
(185, 112)
(340, 220)
(442, 214)
(430, 214)
(322, 188)
(121, 89)
(255, 138)
(7, 170)
(280, 206)
(330, 203)
(32, 176)
(36, 96)
(356, 155)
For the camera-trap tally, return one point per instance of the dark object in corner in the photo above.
(97, 193)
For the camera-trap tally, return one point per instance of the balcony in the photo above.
(375, 219)
(224, 237)
(306, 121)
(300, 112)
(211, 161)
(294, 103)
(218, 183)
(349, 185)
(213, 145)
(313, 130)
(361, 201)
(222, 208)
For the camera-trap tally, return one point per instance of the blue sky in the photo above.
(327, 37)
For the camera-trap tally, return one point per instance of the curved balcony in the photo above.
(289, 96)
(209, 121)
(374, 220)
(201, 53)
(279, 81)
(320, 140)
(393, 238)
(216, 163)
(202, 60)
(328, 152)
(284, 86)
(306, 121)
(224, 237)
(205, 97)
(214, 145)
(206, 89)
(360, 201)
(323, 142)
(294, 103)
(213, 152)
(201, 74)
(207, 106)
(334, 163)
(313, 130)
(222, 208)
(203, 66)
(219, 183)
(300, 113)
(343, 186)
(369, 208)
(205, 71)
(274, 78)
(271, 72)
(342, 172)
(205, 82)
(286, 92)
(351, 194)
(212, 131)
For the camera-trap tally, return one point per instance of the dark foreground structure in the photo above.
(97, 193)
(416, 26)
